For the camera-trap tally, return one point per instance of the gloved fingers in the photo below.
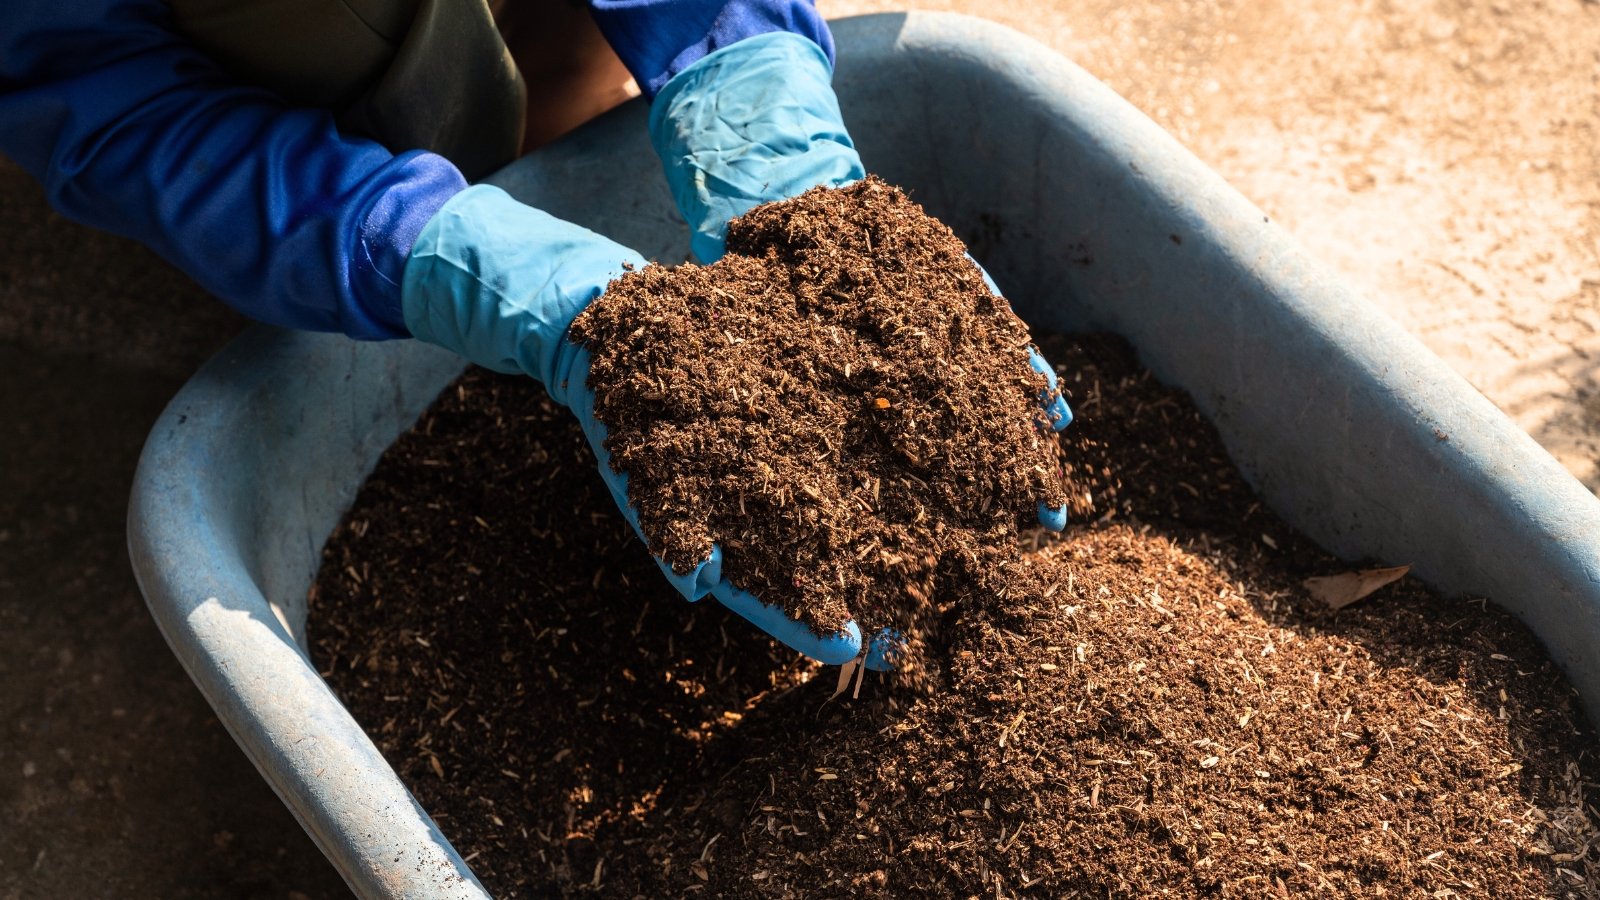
(831, 650)
(1053, 518)
(694, 584)
(706, 578)
(575, 393)
(697, 582)
(1056, 411)
(1055, 406)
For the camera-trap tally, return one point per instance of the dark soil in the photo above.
(840, 403)
(1152, 704)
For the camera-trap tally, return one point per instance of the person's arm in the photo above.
(133, 131)
(271, 208)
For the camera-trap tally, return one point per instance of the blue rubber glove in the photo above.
(747, 124)
(499, 283)
(758, 121)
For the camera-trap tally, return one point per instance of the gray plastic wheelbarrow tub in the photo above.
(1088, 214)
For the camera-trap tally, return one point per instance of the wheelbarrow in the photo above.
(1089, 215)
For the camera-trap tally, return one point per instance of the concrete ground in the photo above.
(1445, 154)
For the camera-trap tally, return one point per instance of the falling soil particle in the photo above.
(1147, 703)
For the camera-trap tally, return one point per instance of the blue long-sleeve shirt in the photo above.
(133, 130)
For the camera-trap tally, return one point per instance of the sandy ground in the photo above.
(1444, 154)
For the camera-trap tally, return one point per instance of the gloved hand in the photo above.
(499, 283)
(758, 121)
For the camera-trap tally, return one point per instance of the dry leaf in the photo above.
(1339, 591)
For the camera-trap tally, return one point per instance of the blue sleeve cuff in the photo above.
(388, 230)
(657, 39)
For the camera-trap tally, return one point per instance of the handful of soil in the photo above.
(840, 402)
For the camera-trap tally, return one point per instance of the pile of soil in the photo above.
(573, 724)
(1147, 703)
(840, 402)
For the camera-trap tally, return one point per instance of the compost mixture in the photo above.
(840, 402)
(1148, 703)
